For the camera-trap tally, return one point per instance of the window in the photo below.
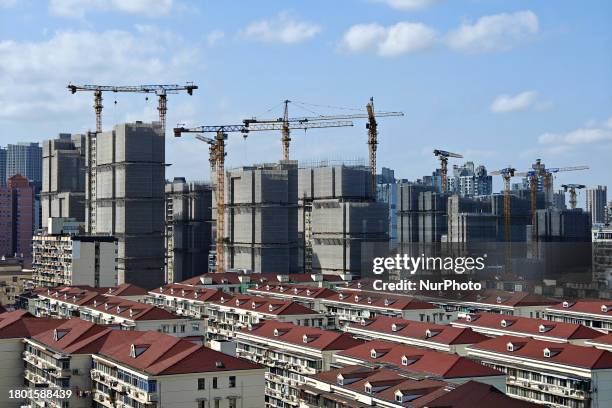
(232, 403)
(217, 403)
(201, 383)
(214, 382)
(232, 381)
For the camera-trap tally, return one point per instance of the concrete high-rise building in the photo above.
(341, 225)
(188, 229)
(261, 209)
(558, 200)
(63, 179)
(564, 241)
(470, 220)
(17, 218)
(25, 159)
(125, 197)
(2, 167)
(422, 214)
(62, 255)
(386, 190)
(609, 213)
(468, 180)
(596, 199)
(602, 255)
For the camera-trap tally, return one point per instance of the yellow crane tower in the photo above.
(507, 174)
(217, 161)
(572, 190)
(443, 156)
(160, 90)
(371, 126)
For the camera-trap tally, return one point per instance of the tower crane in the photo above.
(371, 125)
(443, 156)
(217, 161)
(539, 170)
(160, 90)
(507, 174)
(572, 190)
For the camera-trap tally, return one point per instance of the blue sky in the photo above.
(501, 81)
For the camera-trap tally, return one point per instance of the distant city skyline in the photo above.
(461, 71)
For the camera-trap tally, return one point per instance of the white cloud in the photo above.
(34, 75)
(391, 41)
(8, 3)
(609, 123)
(494, 33)
(280, 29)
(79, 8)
(214, 37)
(577, 137)
(508, 103)
(408, 5)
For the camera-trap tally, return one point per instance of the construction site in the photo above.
(320, 217)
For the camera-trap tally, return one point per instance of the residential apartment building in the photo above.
(355, 307)
(62, 255)
(26, 159)
(419, 363)
(596, 314)
(14, 280)
(492, 301)
(602, 255)
(184, 300)
(229, 314)
(549, 373)
(291, 353)
(151, 369)
(17, 218)
(495, 325)
(596, 201)
(427, 335)
(303, 294)
(14, 327)
(62, 302)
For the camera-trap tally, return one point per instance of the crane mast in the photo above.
(161, 91)
(572, 190)
(372, 127)
(507, 174)
(443, 156)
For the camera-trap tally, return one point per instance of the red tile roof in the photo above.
(263, 305)
(422, 361)
(126, 289)
(230, 278)
(75, 295)
(594, 307)
(21, 324)
(385, 383)
(73, 336)
(493, 297)
(292, 290)
(528, 326)
(181, 290)
(411, 329)
(129, 309)
(475, 394)
(164, 354)
(378, 300)
(292, 334)
(564, 353)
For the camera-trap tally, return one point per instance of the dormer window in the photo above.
(222, 300)
(356, 299)
(196, 294)
(374, 353)
(276, 332)
(237, 302)
(183, 292)
(506, 323)
(606, 308)
(340, 379)
(137, 349)
(499, 299)
(394, 327)
(543, 328)
(551, 352)
(399, 397)
(358, 285)
(513, 346)
(295, 291)
(161, 289)
(253, 305)
(368, 388)
(369, 300)
(308, 292)
(431, 333)
(106, 305)
(95, 303)
(58, 334)
(308, 338)
(341, 296)
(267, 287)
(389, 302)
(172, 291)
(566, 305)
(407, 360)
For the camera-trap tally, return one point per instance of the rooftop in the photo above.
(263, 305)
(592, 307)
(550, 352)
(129, 309)
(379, 300)
(309, 337)
(418, 360)
(475, 394)
(184, 291)
(437, 333)
(21, 324)
(528, 326)
(293, 290)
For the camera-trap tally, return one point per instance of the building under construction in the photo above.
(261, 210)
(63, 180)
(188, 228)
(125, 197)
(341, 226)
